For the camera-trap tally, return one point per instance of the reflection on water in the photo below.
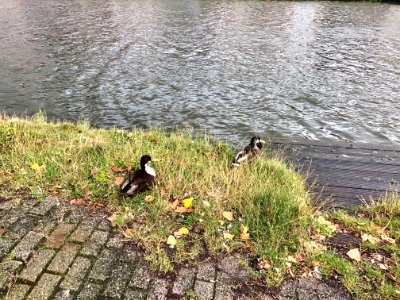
(314, 69)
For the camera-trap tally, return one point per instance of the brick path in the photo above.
(54, 250)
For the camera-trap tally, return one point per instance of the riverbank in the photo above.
(210, 210)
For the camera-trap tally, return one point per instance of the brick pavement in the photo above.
(54, 250)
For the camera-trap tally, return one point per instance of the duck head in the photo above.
(256, 141)
(144, 160)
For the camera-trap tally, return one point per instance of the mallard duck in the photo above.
(251, 151)
(140, 180)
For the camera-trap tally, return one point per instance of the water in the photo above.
(316, 70)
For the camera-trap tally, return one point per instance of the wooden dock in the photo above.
(345, 174)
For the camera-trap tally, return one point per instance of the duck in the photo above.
(250, 152)
(140, 180)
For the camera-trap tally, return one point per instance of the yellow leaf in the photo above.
(171, 240)
(354, 254)
(228, 236)
(327, 223)
(149, 198)
(244, 229)
(228, 215)
(387, 239)
(370, 238)
(244, 237)
(187, 203)
(183, 230)
(119, 180)
(35, 166)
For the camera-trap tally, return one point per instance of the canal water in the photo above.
(315, 70)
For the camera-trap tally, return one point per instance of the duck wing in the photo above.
(136, 183)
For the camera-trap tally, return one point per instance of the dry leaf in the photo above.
(187, 203)
(228, 236)
(228, 215)
(305, 272)
(206, 203)
(299, 257)
(315, 263)
(387, 239)
(174, 204)
(183, 230)
(149, 198)
(354, 254)
(77, 201)
(171, 241)
(248, 247)
(370, 238)
(313, 246)
(119, 180)
(264, 264)
(291, 259)
(182, 210)
(117, 169)
(112, 218)
(244, 237)
(383, 266)
(163, 192)
(128, 232)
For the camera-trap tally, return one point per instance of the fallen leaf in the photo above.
(117, 169)
(129, 169)
(291, 259)
(314, 247)
(383, 266)
(177, 234)
(305, 272)
(228, 215)
(128, 232)
(112, 218)
(264, 264)
(377, 256)
(77, 201)
(119, 180)
(228, 236)
(171, 241)
(149, 198)
(244, 237)
(35, 166)
(315, 263)
(163, 192)
(370, 238)
(354, 254)
(248, 247)
(208, 154)
(183, 230)
(387, 239)
(182, 210)
(174, 204)
(206, 203)
(187, 203)
(299, 257)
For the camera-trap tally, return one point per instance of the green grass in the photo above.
(75, 161)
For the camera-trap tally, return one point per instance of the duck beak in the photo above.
(155, 159)
(262, 141)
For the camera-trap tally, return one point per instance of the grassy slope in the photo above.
(75, 161)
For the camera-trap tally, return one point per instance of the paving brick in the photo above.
(96, 241)
(84, 230)
(90, 291)
(27, 245)
(76, 274)
(135, 295)
(158, 290)
(5, 247)
(45, 287)
(8, 270)
(206, 272)
(140, 277)
(223, 288)
(64, 258)
(103, 265)
(45, 207)
(120, 275)
(104, 225)
(64, 295)
(77, 215)
(18, 292)
(36, 265)
(232, 265)
(184, 281)
(59, 235)
(115, 242)
(204, 290)
(22, 227)
(13, 216)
